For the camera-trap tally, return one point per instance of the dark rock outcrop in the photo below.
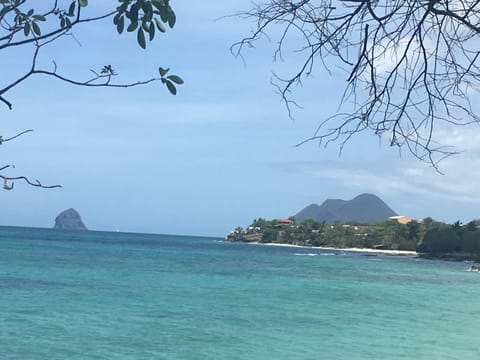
(69, 220)
(365, 208)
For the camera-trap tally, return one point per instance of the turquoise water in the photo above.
(100, 295)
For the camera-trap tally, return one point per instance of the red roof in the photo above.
(285, 221)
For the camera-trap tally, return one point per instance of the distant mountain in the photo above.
(365, 208)
(69, 220)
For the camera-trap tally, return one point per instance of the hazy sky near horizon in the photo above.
(217, 155)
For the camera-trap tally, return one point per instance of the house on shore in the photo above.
(284, 223)
(400, 219)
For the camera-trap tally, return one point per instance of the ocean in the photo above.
(104, 295)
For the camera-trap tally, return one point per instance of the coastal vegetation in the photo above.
(428, 237)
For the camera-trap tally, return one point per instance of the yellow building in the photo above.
(401, 219)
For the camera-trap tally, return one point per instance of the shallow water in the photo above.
(100, 295)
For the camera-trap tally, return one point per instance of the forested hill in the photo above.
(365, 209)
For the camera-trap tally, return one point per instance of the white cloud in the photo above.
(464, 139)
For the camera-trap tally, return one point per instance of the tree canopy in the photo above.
(410, 66)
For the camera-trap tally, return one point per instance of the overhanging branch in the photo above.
(410, 66)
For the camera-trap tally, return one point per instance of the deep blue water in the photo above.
(101, 295)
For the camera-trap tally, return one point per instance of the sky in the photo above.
(215, 156)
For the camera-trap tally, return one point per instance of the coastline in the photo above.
(364, 250)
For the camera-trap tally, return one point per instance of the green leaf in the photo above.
(141, 38)
(176, 79)
(30, 12)
(163, 14)
(5, 10)
(147, 11)
(133, 13)
(116, 18)
(39, 17)
(151, 32)
(146, 7)
(122, 8)
(120, 24)
(36, 29)
(160, 26)
(83, 3)
(172, 18)
(163, 71)
(133, 26)
(17, 20)
(26, 28)
(71, 9)
(171, 87)
(158, 4)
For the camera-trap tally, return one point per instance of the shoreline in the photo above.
(364, 250)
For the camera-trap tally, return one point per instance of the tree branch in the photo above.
(8, 182)
(409, 65)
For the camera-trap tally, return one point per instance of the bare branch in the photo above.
(103, 78)
(8, 182)
(2, 140)
(6, 102)
(410, 66)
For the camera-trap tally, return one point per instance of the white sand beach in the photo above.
(366, 250)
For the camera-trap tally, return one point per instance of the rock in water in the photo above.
(69, 220)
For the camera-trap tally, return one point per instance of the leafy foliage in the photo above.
(454, 240)
(145, 17)
(25, 22)
(33, 25)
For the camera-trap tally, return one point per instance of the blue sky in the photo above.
(217, 155)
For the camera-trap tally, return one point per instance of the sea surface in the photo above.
(103, 295)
